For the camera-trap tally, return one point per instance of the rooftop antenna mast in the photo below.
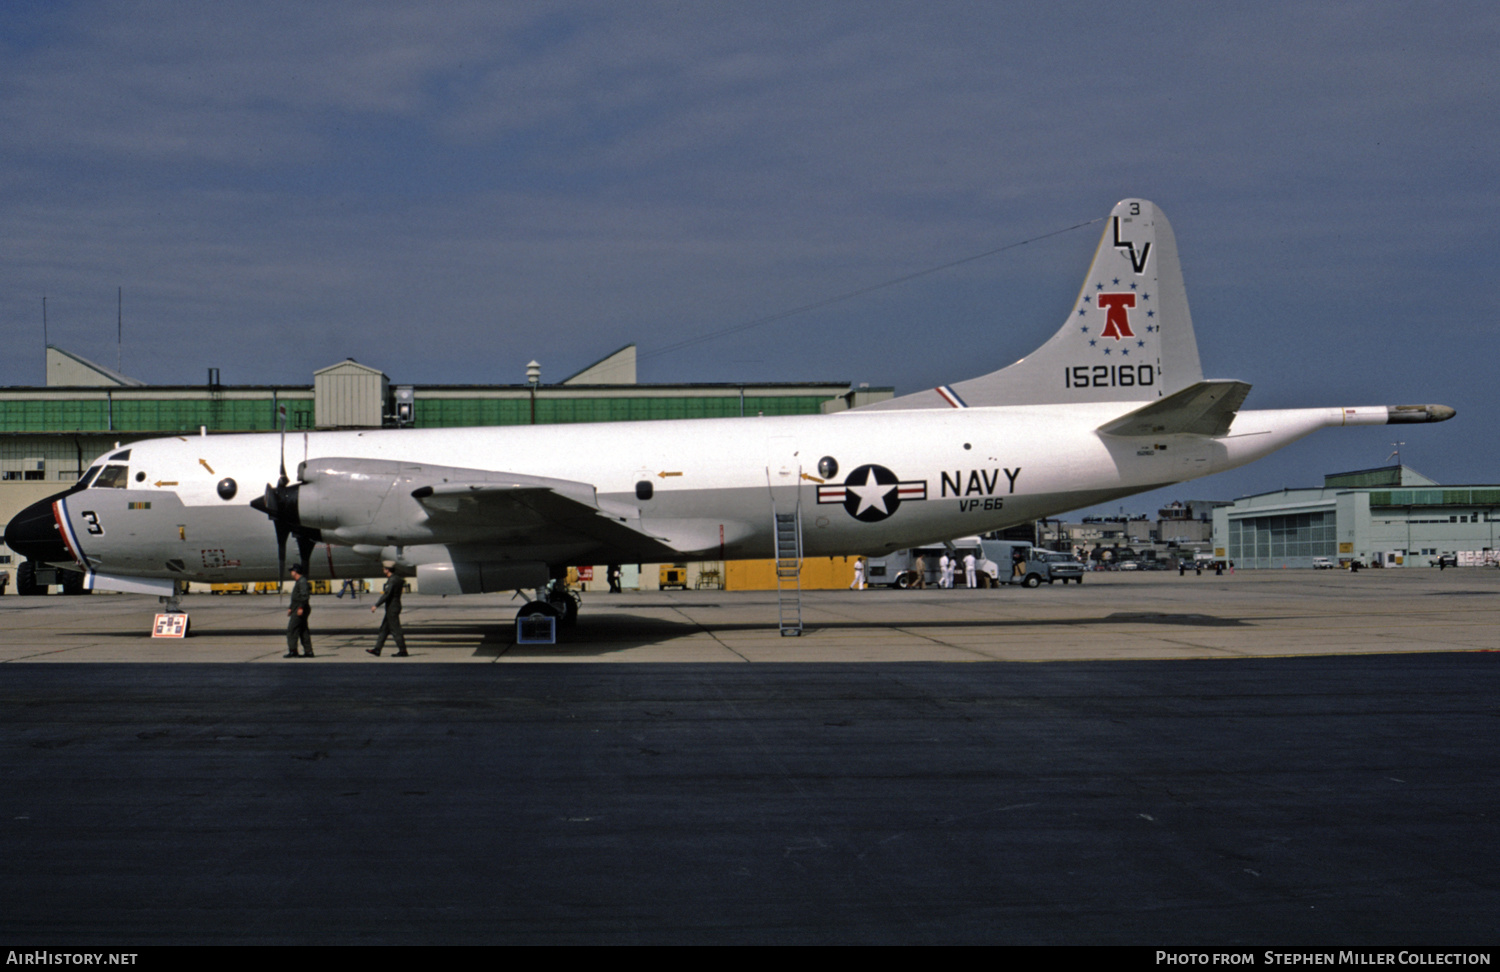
(119, 325)
(1397, 454)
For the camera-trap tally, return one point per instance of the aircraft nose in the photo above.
(33, 534)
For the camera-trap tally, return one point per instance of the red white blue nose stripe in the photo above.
(69, 538)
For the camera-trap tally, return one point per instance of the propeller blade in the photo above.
(281, 413)
(282, 532)
(305, 546)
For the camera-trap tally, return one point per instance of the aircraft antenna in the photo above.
(860, 292)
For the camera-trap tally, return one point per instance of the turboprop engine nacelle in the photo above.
(368, 501)
(358, 501)
(385, 502)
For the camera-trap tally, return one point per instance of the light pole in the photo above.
(533, 378)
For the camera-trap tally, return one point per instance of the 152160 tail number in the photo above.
(1109, 376)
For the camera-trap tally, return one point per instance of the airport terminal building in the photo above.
(1392, 516)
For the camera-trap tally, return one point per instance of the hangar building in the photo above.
(1392, 515)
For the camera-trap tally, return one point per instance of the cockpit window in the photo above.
(88, 477)
(123, 455)
(113, 477)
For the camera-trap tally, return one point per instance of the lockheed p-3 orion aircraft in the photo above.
(1114, 403)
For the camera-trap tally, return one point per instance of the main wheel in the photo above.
(565, 603)
(533, 608)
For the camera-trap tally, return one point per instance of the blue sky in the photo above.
(448, 191)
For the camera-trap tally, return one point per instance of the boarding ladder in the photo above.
(788, 531)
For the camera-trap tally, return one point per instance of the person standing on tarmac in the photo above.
(301, 607)
(390, 626)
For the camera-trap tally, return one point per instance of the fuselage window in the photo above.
(113, 477)
(88, 477)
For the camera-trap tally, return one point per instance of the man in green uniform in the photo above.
(391, 625)
(296, 625)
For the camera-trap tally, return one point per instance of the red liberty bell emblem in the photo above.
(1116, 317)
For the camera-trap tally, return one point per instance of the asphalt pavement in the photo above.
(1292, 758)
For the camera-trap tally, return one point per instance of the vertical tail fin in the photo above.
(1129, 336)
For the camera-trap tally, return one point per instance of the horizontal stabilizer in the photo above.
(1206, 408)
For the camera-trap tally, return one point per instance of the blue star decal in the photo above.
(1150, 313)
(1099, 286)
(1092, 343)
(1117, 281)
(1149, 328)
(1145, 296)
(1125, 352)
(1106, 350)
(1084, 329)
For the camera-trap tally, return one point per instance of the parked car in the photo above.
(1323, 563)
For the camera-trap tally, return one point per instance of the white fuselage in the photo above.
(714, 482)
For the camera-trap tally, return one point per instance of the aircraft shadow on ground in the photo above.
(605, 634)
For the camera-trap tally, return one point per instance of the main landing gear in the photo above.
(556, 601)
